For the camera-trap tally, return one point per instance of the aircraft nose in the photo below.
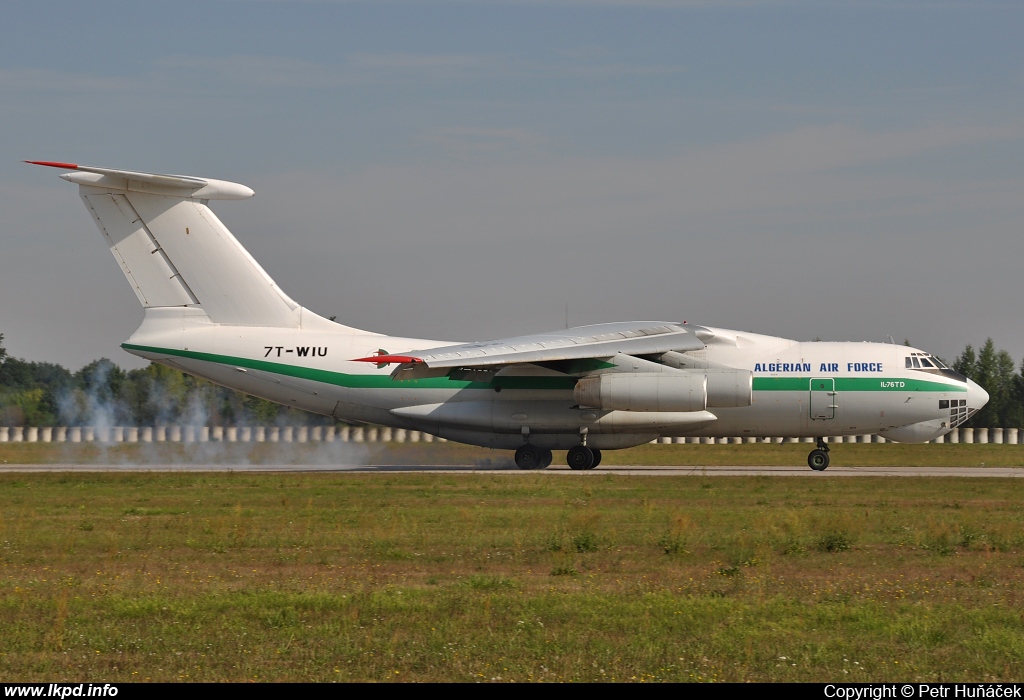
(976, 396)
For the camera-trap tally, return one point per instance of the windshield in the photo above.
(923, 360)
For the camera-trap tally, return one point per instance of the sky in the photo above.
(473, 170)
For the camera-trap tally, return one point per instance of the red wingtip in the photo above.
(53, 164)
(388, 359)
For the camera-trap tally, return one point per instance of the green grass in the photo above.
(319, 577)
(794, 454)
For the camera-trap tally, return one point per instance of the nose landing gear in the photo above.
(818, 458)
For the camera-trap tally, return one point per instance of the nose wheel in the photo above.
(818, 458)
(531, 457)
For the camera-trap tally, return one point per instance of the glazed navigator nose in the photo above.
(976, 396)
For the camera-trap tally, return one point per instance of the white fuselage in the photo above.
(800, 389)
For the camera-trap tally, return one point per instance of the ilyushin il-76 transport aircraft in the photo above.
(212, 311)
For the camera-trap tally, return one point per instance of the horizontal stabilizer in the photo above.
(186, 186)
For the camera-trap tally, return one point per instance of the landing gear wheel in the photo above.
(580, 457)
(530, 457)
(545, 461)
(818, 460)
(597, 458)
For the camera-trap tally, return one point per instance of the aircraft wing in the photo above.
(582, 342)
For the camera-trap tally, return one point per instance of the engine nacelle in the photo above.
(644, 391)
(730, 388)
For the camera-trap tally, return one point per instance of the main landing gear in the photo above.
(583, 457)
(579, 457)
(531, 457)
(818, 459)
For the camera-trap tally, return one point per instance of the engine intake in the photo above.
(730, 388)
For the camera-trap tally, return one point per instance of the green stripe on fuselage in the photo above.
(365, 381)
(856, 384)
(384, 381)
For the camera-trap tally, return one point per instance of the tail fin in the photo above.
(174, 250)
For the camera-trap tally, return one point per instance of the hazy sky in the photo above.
(463, 170)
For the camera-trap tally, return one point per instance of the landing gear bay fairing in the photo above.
(212, 311)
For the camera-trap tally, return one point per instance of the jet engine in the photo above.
(729, 388)
(681, 391)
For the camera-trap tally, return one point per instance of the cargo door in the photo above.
(823, 398)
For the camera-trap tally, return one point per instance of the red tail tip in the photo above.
(53, 164)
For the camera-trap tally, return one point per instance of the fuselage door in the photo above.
(823, 398)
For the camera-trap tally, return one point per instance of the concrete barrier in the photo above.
(303, 434)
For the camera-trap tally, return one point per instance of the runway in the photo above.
(715, 471)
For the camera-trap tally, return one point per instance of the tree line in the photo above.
(101, 393)
(44, 393)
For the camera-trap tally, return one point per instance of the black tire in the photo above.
(597, 458)
(529, 457)
(818, 460)
(580, 457)
(545, 461)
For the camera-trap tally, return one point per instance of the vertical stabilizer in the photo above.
(173, 249)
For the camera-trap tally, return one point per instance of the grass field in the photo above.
(853, 455)
(509, 576)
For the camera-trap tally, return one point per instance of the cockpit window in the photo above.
(922, 360)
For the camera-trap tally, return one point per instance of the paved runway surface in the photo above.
(1012, 472)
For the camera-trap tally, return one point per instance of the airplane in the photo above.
(212, 311)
